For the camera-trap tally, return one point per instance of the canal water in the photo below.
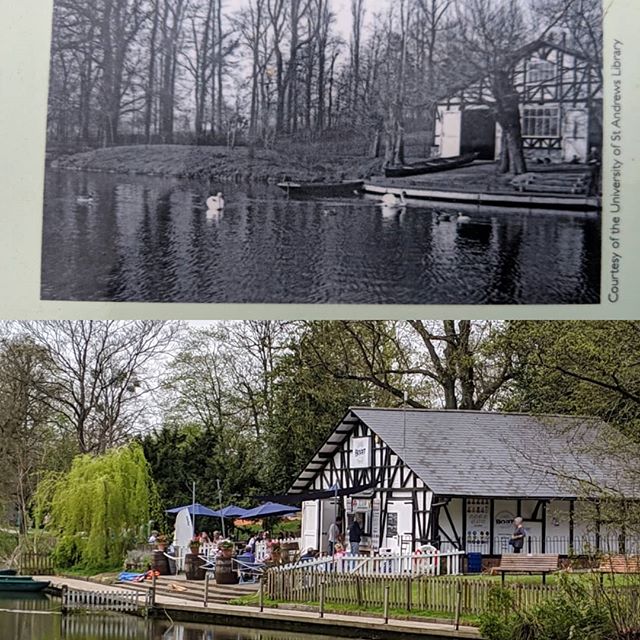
(151, 239)
(39, 618)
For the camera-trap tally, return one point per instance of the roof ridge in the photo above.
(478, 411)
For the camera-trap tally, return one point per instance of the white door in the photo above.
(329, 514)
(309, 525)
(399, 526)
(451, 129)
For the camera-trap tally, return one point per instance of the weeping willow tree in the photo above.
(98, 506)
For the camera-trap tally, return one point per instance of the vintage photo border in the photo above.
(24, 45)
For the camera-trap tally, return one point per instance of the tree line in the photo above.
(248, 403)
(205, 71)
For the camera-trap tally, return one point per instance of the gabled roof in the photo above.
(478, 453)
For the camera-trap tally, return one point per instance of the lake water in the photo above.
(151, 239)
(38, 618)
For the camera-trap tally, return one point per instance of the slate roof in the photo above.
(479, 453)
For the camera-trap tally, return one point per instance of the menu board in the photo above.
(478, 521)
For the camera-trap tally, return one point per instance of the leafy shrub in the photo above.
(67, 552)
(571, 613)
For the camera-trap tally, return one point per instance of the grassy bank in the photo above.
(217, 163)
(396, 614)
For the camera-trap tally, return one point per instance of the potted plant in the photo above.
(161, 542)
(276, 553)
(225, 547)
(194, 546)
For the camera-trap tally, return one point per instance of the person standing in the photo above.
(517, 538)
(334, 535)
(355, 536)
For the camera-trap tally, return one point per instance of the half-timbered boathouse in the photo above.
(457, 479)
(560, 108)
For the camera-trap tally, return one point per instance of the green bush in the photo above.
(67, 552)
(571, 613)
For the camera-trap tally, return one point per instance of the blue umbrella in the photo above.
(270, 509)
(231, 511)
(195, 509)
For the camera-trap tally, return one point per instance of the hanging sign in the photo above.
(360, 453)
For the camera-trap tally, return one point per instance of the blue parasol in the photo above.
(271, 509)
(231, 511)
(195, 509)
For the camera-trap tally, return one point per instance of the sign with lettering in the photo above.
(360, 453)
(375, 524)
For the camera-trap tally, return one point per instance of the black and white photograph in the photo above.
(324, 151)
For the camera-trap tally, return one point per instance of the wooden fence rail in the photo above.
(103, 600)
(417, 593)
(35, 564)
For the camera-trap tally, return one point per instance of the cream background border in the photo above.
(25, 27)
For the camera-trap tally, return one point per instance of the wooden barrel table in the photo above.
(193, 567)
(160, 563)
(225, 573)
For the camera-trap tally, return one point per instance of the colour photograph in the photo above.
(324, 151)
(286, 480)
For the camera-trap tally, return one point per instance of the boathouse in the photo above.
(457, 479)
(560, 106)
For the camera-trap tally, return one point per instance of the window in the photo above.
(541, 122)
(539, 70)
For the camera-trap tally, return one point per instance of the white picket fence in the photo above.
(432, 563)
(103, 600)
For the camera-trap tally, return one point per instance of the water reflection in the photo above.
(153, 239)
(39, 618)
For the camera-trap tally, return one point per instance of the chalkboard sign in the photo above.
(392, 524)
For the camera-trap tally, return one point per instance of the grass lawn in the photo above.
(400, 614)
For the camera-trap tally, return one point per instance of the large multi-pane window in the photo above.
(541, 122)
(539, 70)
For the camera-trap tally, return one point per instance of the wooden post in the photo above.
(386, 604)
(153, 590)
(322, 598)
(409, 593)
(458, 603)
(261, 596)
(65, 598)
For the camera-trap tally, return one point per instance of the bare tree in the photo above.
(457, 365)
(100, 373)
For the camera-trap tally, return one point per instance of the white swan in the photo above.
(462, 219)
(391, 201)
(85, 198)
(215, 203)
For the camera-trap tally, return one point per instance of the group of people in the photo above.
(336, 539)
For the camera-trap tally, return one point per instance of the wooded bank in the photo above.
(217, 163)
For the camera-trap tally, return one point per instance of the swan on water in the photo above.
(85, 198)
(391, 201)
(443, 216)
(461, 219)
(215, 203)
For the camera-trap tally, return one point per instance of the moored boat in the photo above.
(8, 572)
(429, 166)
(345, 188)
(22, 584)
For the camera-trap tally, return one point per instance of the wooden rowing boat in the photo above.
(330, 189)
(429, 166)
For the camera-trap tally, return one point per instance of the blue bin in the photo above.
(474, 563)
